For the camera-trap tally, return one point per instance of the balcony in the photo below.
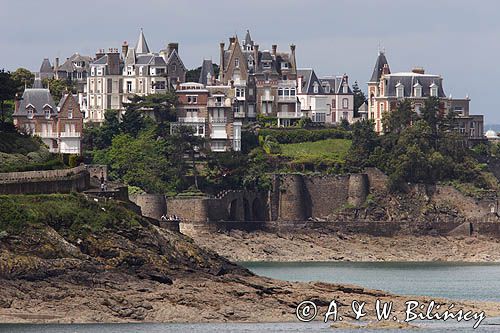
(226, 103)
(47, 135)
(288, 115)
(267, 98)
(218, 120)
(287, 99)
(239, 114)
(219, 135)
(70, 134)
(197, 120)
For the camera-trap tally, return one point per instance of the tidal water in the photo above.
(459, 281)
(451, 280)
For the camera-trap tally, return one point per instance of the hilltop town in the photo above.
(128, 171)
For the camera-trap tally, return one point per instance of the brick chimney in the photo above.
(56, 64)
(386, 70)
(256, 54)
(171, 47)
(221, 63)
(274, 48)
(232, 40)
(418, 70)
(124, 49)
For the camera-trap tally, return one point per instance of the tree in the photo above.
(359, 97)
(184, 138)
(132, 122)
(193, 75)
(8, 90)
(364, 141)
(399, 119)
(58, 87)
(23, 77)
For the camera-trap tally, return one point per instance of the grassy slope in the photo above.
(329, 151)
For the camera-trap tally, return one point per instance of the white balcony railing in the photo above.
(70, 134)
(226, 103)
(191, 120)
(218, 120)
(290, 115)
(47, 135)
(239, 114)
(267, 98)
(287, 99)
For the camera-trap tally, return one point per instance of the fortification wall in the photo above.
(152, 205)
(74, 183)
(194, 210)
(7, 177)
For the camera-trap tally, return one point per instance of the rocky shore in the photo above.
(57, 267)
(317, 245)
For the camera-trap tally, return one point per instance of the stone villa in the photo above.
(385, 89)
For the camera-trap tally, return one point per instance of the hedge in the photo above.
(284, 136)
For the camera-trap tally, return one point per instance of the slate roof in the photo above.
(46, 67)
(340, 84)
(206, 68)
(101, 61)
(174, 55)
(69, 66)
(379, 66)
(408, 80)
(142, 45)
(38, 97)
(248, 39)
(309, 77)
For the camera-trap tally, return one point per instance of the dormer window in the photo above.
(344, 88)
(129, 70)
(47, 113)
(284, 65)
(30, 112)
(400, 90)
(237, 62)
(316, 87)
(99, 71)
(434, 90)
(326, 87)
(92, 71)
(417, 90)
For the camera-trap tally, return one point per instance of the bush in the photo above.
(284, 136)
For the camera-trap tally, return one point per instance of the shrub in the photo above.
(284, 136)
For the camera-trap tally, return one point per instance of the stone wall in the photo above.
(152, 205)
(45, 182)
(297, 197)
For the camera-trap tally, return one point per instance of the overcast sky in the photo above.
(458, 39)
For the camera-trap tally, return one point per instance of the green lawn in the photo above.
(329, 151)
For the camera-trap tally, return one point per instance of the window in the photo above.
(160, 71)
(418, 92)
(240, 92)
(316, 87)
(400, 90)
(47, 113)
(292, 92)
(344, 88)
(237, 62)
(345, 115)
(250, 92)
(173, 68)
(345, 103)
(284, 65)
(434, 90)
(266, 64)
(129, 70)
(326, 88)
(334, 104)
(192, 99)
(129, 86)
(160, 85)
(70, 114)
(280, 92)
(99, 71)
(141, 68)
(266, 77)
(30, 113)
(201, 130)
(92, 71)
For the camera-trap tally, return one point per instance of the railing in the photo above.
(218, 135)
(70, 134)
(191, 120)
(226, 103)
(219, 120)
(267, 98)
(286, 114)
(239, 114)
(45, 135)
(287, 98)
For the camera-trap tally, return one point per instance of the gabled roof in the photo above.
(308, 79)
(69, 66)
(343, 80)
(379, 66)
(37, 97)
(206, 68)
(142, 45)
(409, 80)
(175, 55)
(46, 67)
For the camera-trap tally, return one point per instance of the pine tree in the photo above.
(359, 98)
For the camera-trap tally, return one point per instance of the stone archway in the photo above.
(232, 210)
(258, 210)
(246, 210)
